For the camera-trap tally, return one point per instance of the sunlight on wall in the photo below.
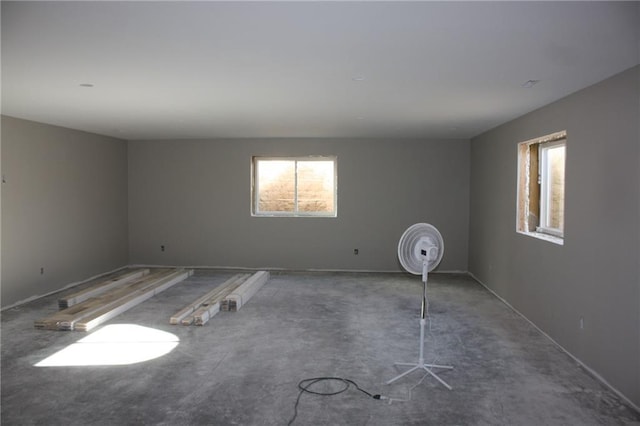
(117, 344)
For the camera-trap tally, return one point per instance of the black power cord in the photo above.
(305, 385)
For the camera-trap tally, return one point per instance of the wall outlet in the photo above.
(581, 323)
(42, 271)
(161, 248)
(356, 251)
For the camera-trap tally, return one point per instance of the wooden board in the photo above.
(89, 322)
(240, 296)
(204, 314)
(211, 307)
(190, 308)
(63, 320)
(100, 287)
(66, 319)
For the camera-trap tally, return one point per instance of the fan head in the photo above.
(418, 242)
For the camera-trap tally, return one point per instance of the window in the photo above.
(541, 189)
(305, 186)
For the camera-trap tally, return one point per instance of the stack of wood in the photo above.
(229, 296)
(106, 299)
(241, 295)
(102, 286)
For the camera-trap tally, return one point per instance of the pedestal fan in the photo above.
(420, 250)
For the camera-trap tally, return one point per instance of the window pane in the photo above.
(276, 186)
(290, 186)
(315, 186)
(555, 212)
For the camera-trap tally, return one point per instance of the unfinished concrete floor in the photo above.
(243, 367)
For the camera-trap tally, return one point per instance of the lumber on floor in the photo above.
(101, 287)
(93, 308)
(204, 314)
(240, 296)
(89, 322)
(64, 319)
(207, 311)
(186, 315)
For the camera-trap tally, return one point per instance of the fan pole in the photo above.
(420, 365)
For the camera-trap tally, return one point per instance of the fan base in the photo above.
(420, 364)
(425, 367)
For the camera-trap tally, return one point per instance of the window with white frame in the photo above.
(541, 187)
(294, 186)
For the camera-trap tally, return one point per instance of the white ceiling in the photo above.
(165, 70)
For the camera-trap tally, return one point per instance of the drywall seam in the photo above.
(577, 360)
(73, 284)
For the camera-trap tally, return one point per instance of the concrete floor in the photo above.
(243, 367)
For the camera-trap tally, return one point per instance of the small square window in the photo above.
(541, 187)
(284, 186)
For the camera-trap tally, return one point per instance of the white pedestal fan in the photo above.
(420, 250)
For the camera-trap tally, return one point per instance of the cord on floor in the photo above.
(305, 385)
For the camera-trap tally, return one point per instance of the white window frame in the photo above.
(255, 188)
(523, 207)
(545, 192)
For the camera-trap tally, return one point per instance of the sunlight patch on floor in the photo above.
(116, 344)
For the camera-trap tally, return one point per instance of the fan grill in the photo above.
(416, 239)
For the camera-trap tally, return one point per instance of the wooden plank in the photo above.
(204, 314)
(188, 320)
(132, 299)
(100, 287)
(239, 297)
(211, 306)
(63, 320)
(190, 308)
(137, 297)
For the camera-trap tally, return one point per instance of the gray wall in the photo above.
(64, 207)
(194, 198)
(595, 274)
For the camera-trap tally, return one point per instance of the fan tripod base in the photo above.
(420, 365)
(425, 367)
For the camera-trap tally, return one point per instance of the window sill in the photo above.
(546, 237)
(294, 215)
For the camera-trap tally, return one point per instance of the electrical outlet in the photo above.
(161, 248)
(42, 271)
(581, 323)
(356, 252)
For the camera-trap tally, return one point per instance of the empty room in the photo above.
(320, 213)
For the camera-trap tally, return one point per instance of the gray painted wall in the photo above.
(194, 197)
(595, 274)
(64, 207)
